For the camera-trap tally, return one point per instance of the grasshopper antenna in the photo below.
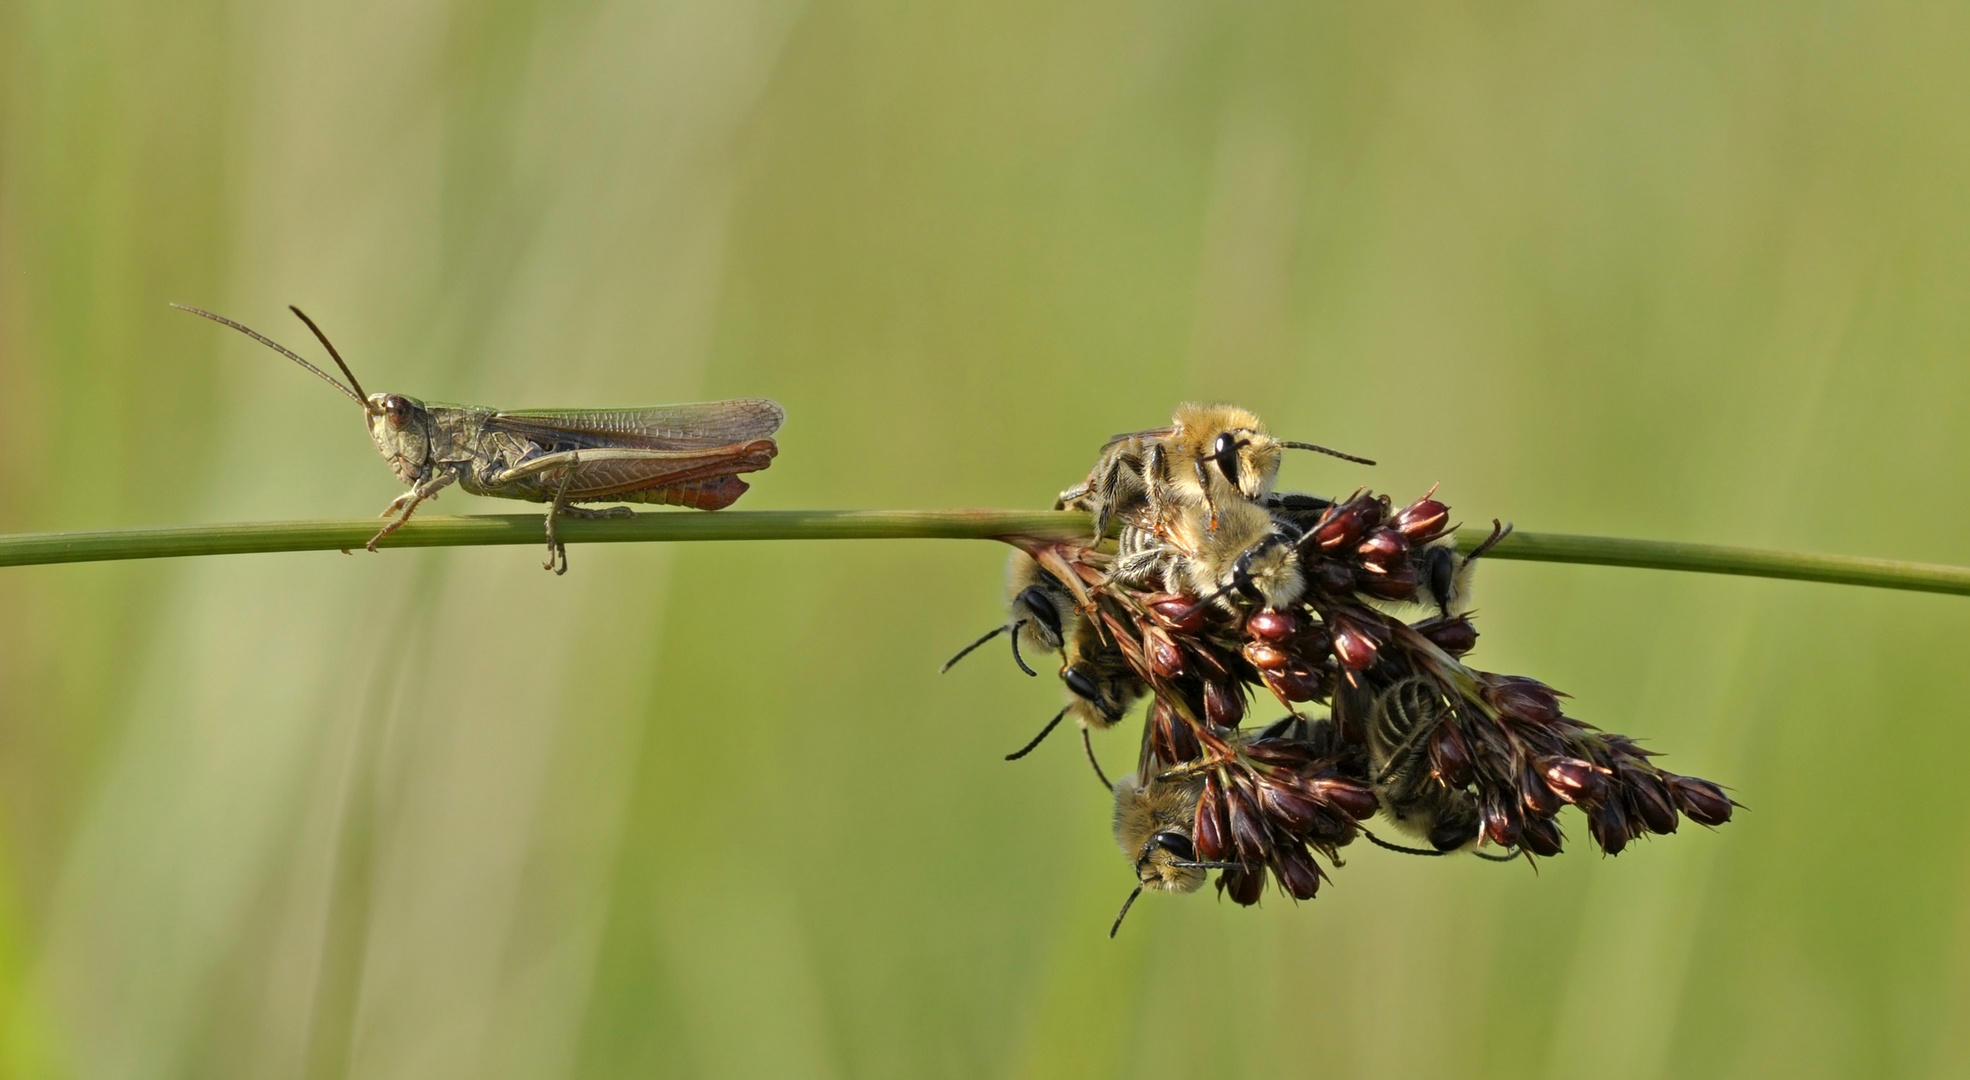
(326, 344)
(1324, 450)
(284, 350)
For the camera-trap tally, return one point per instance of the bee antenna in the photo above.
(1088, 745)
(1214, 865)
(1381, 843)
(1325, 450)
(1511, 856)
(1016, 658)
(1041, 737)
(967, 650)
(284, 350)
(1499, 531)
(1124, 913)
(323, 338)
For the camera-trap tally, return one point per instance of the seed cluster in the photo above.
(1220, 589)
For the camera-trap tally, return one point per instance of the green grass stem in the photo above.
(25, 549)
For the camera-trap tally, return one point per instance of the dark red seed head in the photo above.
(1541, 836)
(1180, 613)
(1224, 703)
(1352, 645)
(1525, 700)
(1450, 756)
(1535, 794)
(1398, 584)
(1242, 885)
(1170, 738)
(1298, 874)
(1610, 826)
(1248, 832)
(1164, 657)
(1341, 526)
(1208, 832)
(1455, 636)
(1647, 799)
(1273, 627)
(1383, 550)
(1333, 577)
(1296, 683)
(1576, 781)
(1288, 808)
(1422, 518)
(1353, 799)
(1285, 753)
(1703, 801)
(1502, 823)
(1265, 657)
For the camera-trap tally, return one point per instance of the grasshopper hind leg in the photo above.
(557, 552)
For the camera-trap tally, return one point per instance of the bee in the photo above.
(1042, 613)
(1101, 689)
(1209, 455)
(1101, 686)
(1156, 815)
(1397, 722)
(1251, 556)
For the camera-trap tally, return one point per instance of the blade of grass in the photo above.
(24, 549)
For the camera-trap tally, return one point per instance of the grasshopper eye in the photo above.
(397, 409)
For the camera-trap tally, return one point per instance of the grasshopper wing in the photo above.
(701, 426)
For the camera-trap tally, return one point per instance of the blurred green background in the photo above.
(1682, 271)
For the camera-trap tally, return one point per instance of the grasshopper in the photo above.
(680, 455)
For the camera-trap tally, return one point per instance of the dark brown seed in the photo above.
(1455, 636)
(1209, 828)
(1272, 626)
(1224, 703)
(1242, 885)
(1341, 526)
(1421, 518)
(1398, 584)
(1610, 827)
(1165, 658)
(1265, 657)
(1298, 874)
(1383, 550)
(1248, 834)
(1501, 824)
(1580, 782)
(1180, 613)
(1527, 700)
(1537, 797)
(1296, 683)
(1333, 577)
(1355, 800)
(1450, 756)
(1541, 836)
(1286, 753)
(1703, 801)
(1170, 738)
(1352, 645)
(1290, 809)
(1649, 800)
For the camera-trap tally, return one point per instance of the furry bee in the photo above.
(1042, 613)
(1396, 723)
(1156, 814)
(1251, 556)
(1043, 618)
(1209, 455)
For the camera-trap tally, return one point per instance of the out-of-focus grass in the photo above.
(1688, 272)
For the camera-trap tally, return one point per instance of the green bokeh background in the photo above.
(1691, 271)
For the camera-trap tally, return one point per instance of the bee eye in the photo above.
(1176, 844)
(1226, 457)
(1041, 610)
(1083, 687)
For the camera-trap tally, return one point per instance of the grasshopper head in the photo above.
(401, 428)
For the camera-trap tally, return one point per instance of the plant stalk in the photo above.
(25, 549)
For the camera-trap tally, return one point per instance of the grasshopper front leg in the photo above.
(407, 503)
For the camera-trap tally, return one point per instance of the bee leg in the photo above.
(557, 552)
(407, 504)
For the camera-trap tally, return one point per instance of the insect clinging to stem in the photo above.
(680, 455)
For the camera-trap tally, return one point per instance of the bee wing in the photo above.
(1160, 433)
(702, 426)
(599, 474)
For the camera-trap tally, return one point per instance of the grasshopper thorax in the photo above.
(401, 429)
